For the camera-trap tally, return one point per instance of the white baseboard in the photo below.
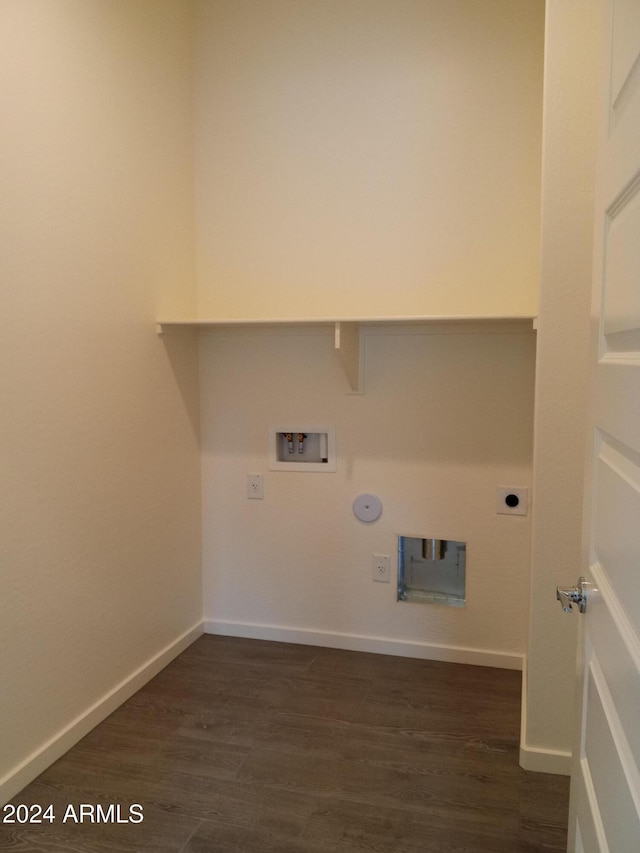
(363, 643)
(545, 760)
(535, 758)
(38, 761)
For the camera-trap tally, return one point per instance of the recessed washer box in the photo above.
(302, 447)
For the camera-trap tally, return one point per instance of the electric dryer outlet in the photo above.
(512, 500)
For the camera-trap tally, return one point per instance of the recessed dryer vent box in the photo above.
(302, 447)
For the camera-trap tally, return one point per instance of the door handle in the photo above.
(568, 596)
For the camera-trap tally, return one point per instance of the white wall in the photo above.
(368, 158)
(99, 539)
(561, 380)
(446, 419)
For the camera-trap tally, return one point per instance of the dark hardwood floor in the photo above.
(244, 746)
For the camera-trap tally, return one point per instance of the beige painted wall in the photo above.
(565, 295)
(99, 526)
(99, 436)
(446, 419)
(366, 158)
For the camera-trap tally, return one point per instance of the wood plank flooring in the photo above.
(244, 746)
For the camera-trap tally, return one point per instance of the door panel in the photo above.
(618, 665)
(607, 756)
(616, 535)
(605, 793)
(624, 56)
(621, 310)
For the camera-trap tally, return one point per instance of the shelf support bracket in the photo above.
(349, 346)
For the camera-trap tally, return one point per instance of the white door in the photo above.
(605, 786)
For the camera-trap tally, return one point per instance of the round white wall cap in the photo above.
(367, 507)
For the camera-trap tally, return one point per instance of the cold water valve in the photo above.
(302, 447)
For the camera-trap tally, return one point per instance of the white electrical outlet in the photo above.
(255, 487)
(381, 568)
